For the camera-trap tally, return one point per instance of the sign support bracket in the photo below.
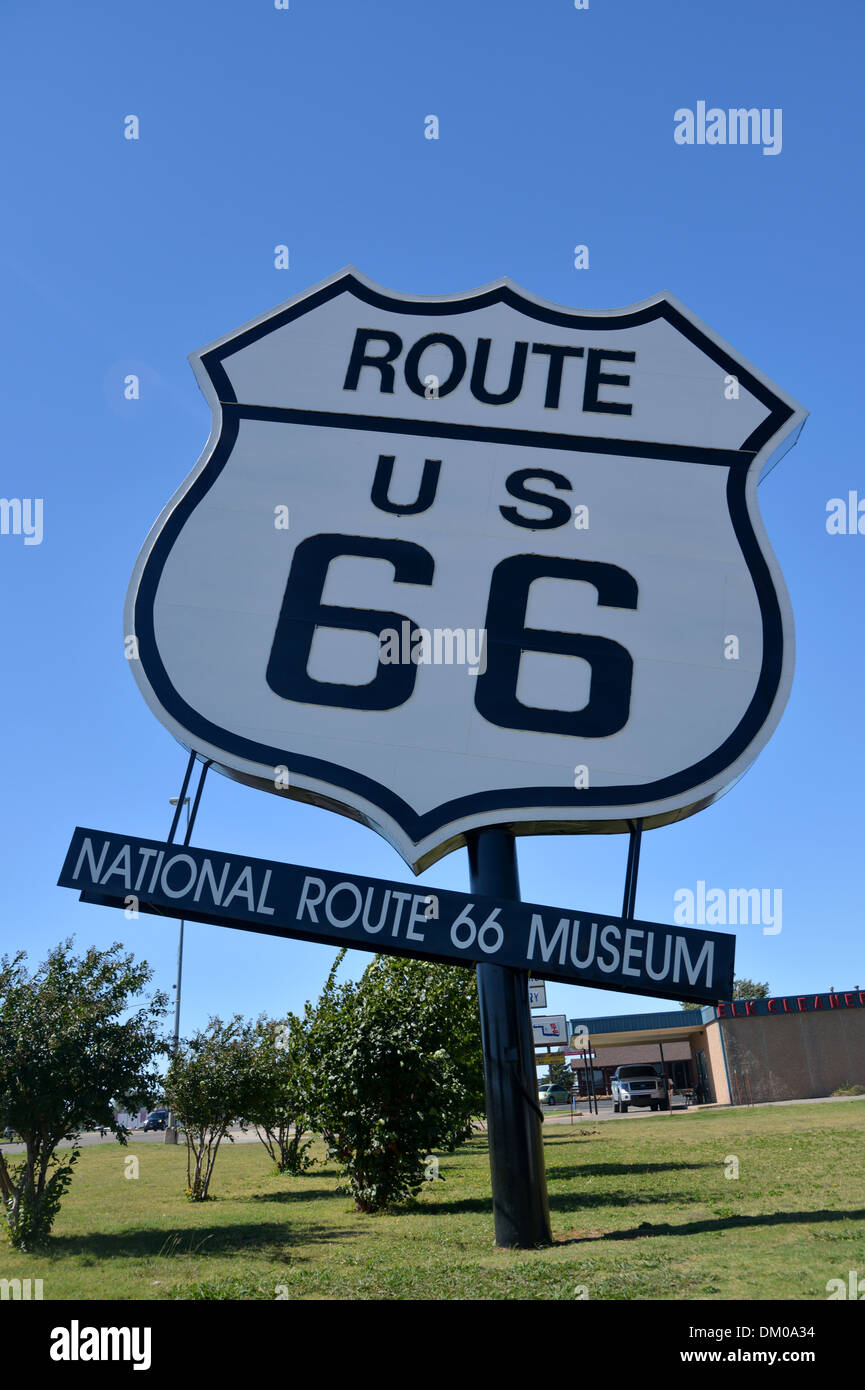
(633, 868)
(182, 797)
(194, 811)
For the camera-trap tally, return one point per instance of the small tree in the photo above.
(561, 1074)
(280, 1106)
(398, 1073)
(210, 1085)
(750, 989)
(742, 989)
(68, 1045)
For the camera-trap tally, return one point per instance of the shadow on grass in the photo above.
(552, 1136)
(603, 1170)
(558, 1202)
(262, 1238)
(310, 1194)
(726, 1223)
(585, 1201)
(458, 1207)
(565, 1134)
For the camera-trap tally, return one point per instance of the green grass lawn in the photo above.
(640, 1209)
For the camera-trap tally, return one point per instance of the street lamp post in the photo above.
(170, 1128)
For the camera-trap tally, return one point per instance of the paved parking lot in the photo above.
(605, 1111)
(136, 1137)
(560, 1114)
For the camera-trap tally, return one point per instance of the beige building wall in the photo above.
(794, 1056)
(708, 1041)
(714, 1050)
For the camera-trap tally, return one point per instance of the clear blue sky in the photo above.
(305, 127)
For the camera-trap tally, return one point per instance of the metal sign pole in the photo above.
(517, 1171)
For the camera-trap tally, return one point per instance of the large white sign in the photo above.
(453, 562)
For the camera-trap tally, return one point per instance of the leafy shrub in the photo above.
(398, 1074)
(69, 1046)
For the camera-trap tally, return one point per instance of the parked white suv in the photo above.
(638, 1085)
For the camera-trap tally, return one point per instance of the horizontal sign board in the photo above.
(372, 914)
(549, 1030)
(537, 995)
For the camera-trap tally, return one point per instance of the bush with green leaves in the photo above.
(280, 1100)
(71, 1048)
(211, 1085)
(398, 1073)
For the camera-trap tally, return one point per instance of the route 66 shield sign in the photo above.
(472, 560)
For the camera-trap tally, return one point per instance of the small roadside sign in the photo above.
(549, 1030)
(537, 994)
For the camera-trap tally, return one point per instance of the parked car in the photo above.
(554, 1095)
(157, 1119)
(638, 1084)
